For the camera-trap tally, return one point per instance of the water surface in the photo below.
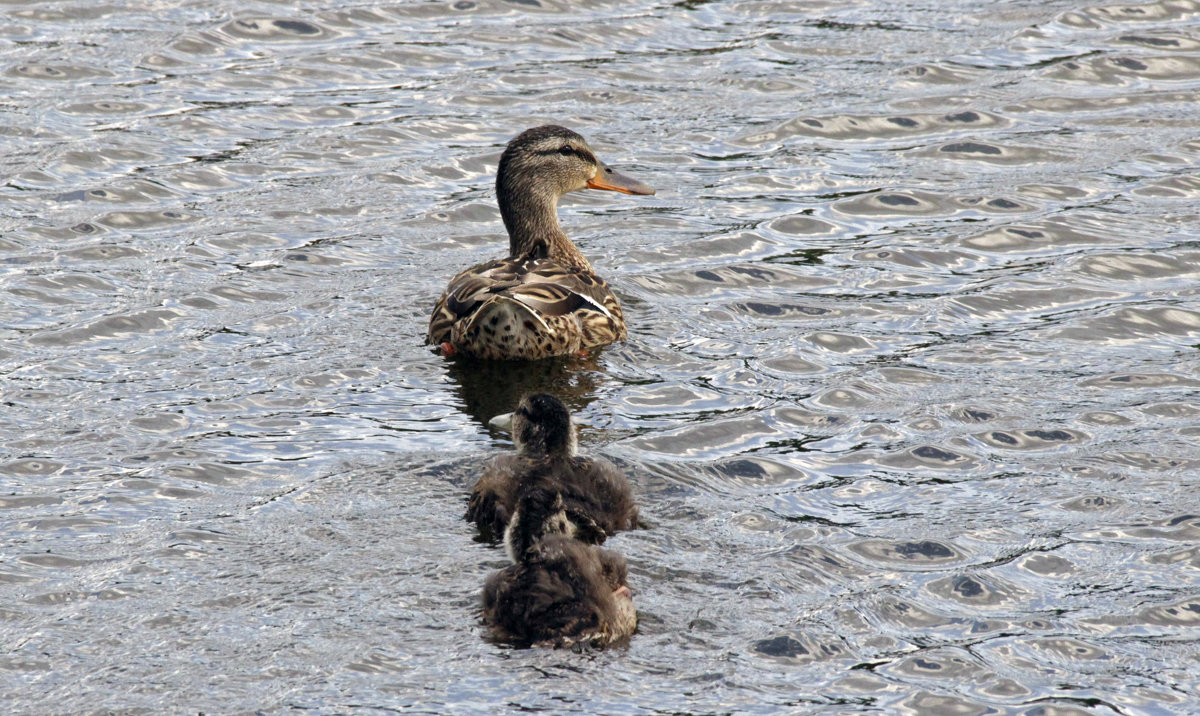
(910, 398)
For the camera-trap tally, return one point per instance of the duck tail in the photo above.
(506, 329)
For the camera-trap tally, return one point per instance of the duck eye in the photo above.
(567, 151)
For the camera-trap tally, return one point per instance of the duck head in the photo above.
(537, 167)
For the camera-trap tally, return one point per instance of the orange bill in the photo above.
(609, 180)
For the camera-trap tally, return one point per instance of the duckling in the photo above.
(562, 592)
(551, 481)
(541, 511)
(544, 299)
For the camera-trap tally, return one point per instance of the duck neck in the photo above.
(531, 218)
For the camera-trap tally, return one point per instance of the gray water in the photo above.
(910, 399)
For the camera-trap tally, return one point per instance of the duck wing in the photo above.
(548, 278)
(548, 288)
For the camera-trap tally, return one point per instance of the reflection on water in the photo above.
(909, 399)
(490, 388)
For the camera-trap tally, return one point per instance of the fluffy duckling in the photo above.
(562, 592)
(541, 511)
(544, 299)
(557, 491)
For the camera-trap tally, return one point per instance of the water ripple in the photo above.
(909, 398)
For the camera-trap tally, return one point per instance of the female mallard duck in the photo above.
(544, 299)
(562, 592)
(545, 488)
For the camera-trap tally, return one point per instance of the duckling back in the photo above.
(562, 592)
(525, 499)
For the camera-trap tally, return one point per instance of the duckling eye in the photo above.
(567, 151)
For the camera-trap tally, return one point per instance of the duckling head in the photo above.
(541, 513)
(542, 427)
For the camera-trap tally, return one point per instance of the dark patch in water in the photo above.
(1155, 41)
(1130, 64)
(930, 452)
(927, 548)
(743, 468)
(298, 27)
(971, 148)
(897, 200)
(765, 309)
(963, 117)
(758, 273)
(978, 415)
(968, 587)
(784, 646)
(774, 309)
(1060, 436)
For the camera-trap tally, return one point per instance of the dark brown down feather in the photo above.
(563, 592)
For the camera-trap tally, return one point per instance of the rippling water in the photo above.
(910, 398)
